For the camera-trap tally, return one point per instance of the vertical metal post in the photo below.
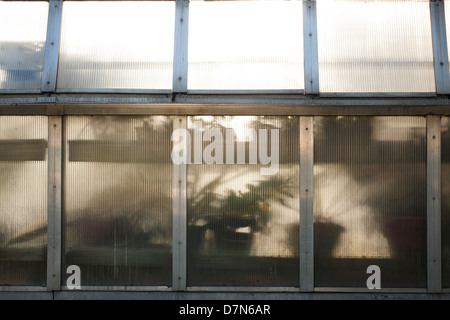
(434, 268)
(440, 49)
(179, 215)
(180, 62)
(54, 203)
(310, 47)
(306, 204)
(52, 46)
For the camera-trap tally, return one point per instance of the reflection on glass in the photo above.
(240, 45)
(243, 224)
(23, 28)
(445, 203)
(375, 46)
(370, 200)
(118, 45)
(23, 200)
(118, 207)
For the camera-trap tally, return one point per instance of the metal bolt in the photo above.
(48, 82)
(441, 63)
(54, 126)
(306, 190)
(306, 129)
(310, 34)
(434, 137)
(52, 43)
(179, 78)
(434, 198)
(179, 181)
(181, 20)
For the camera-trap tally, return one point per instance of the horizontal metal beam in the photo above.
(336, 109)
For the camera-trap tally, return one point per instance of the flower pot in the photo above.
(404, 234)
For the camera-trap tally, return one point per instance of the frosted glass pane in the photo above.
(117, 196)
(245, 45)
(370, 201)
(23, 29)
(119, 45)
(375, 46)
(243, 225)
(23, 200)
(445, 204)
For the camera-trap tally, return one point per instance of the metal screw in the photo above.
(179, 181)
(434, 137)
(179, 78)
(441, 63)
(48, 82)
(306, 190)
(52, 43)
(310, 34)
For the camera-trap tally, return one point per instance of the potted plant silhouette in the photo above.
(235, 216)
(401, 208)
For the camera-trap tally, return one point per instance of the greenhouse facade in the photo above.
(228, 149)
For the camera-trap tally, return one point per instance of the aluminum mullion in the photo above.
(180, 62)
(54, 203)
(179, 217)
(310, 47)
(434, 266)
(52, 46)
(306, 204)
(440, 50)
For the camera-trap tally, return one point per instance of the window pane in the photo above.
(445, 204)
(243, 222)
(23, 200)
(119, 45)
(370, 201)
(118, 207)
(23, 29)
(375, 46)
(238, 45)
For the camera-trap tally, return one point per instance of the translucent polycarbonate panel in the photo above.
(118, 45)
(243, 201)
(23, 200)
(245, 45)
(370, 201)
(445, 202)
(117, 200)
(23, 29)
(447, 20)
(375, 46)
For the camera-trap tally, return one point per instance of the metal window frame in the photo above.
(440, 50)
(434, 259)
(179, 217)
(183, 103)
(51, 56)
(54, 203)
